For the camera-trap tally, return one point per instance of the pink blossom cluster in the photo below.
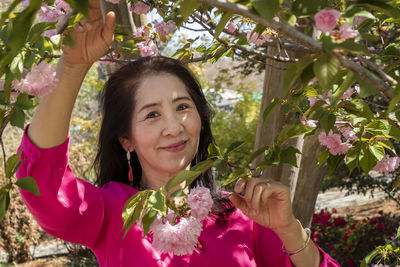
(139, 8)
(231, 27)
(165, 28)
(309, 123)
(348, 133)
(256, 38)
(147, 48)
(327, 19)
(50, 14)
(181, 238)
(387, 164)
(334, 143)
(200, 202)
(39, 82)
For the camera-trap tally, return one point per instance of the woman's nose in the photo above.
(173, 126)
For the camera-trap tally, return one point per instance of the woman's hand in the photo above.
(265, 201)
(92, 37)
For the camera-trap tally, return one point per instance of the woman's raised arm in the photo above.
(50, 123)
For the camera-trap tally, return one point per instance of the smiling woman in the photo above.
(156, 123)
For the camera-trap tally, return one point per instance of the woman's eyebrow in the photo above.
(149, 105)
(179, 98)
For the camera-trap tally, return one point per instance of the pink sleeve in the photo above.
(68, 208)
(268, 250)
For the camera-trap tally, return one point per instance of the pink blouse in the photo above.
(79, 212)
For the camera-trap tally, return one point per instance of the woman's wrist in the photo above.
(293, 235)
(73, 68)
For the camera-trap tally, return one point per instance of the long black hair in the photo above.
(118, 102)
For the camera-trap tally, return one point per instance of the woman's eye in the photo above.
(182, 107)
(152, 115)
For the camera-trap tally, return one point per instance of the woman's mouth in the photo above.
(176, 147)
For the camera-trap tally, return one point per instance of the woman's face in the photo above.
(165, 128)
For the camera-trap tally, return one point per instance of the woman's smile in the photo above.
(176, 147)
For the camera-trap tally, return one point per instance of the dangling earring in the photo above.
(128, 157)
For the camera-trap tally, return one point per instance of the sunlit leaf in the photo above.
(28, 184)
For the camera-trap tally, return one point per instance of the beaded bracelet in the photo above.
(290, 253)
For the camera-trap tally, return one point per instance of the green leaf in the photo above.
(266, 8)
(221, 165)
(398, 233)
(178, 193)
(353, 47)
(346, 84)
(377, 150)
(326, 68)
(293, 71)
(24, 101)
(4, 203)
(39, 28)
(268, 110)
(221, 24)
(18, 119)
(202, 166)
(147, 220)
(290, 131)
(383, 7)
(241, 173)
(29, 184)
(257, 153)
(327, 121)
(288, 155)
(358, 107)
(158, 202)
(366, 89)
(369, 258)
(69, 40)
(395, 185)
(302, 8)
(367, 159)
(214, 151)
(182, 176)
(80, 6)
(395, 100)
(272, 157)
(333, 163)
(17, 66)
(310, 92)
(134, 208)
(323, 157)
(11, 165)
(233, 147)
(187, 8)
(352, 156)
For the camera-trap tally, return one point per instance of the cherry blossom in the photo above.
(147, 48)
(39, 82)
(139, 8)
(326, 19)
(309, 123)
(231, 27)
(348, 133)
(62, 5)
(200, 202)
(180, 238)
(165, 28)
(49, 15)
(50, 33)
(333, 143)
(25, 3)
(387, 164)
(358, 20)
(346, 31)
(256, 38)
(113, 1)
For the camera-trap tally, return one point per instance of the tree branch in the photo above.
(242, 48)
(303, 39)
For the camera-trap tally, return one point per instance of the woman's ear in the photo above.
(126, 144)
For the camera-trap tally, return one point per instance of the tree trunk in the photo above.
(309, 180)
(304, 181)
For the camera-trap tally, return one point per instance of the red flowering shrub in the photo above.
(347, 240)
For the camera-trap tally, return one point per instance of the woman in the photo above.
(154, 110)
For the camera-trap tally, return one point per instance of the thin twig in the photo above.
(374, 67)
(244, 49)
(4, 153)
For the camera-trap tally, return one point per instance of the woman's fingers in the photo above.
(109, 26)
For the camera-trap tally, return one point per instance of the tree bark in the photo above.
(309, 180)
